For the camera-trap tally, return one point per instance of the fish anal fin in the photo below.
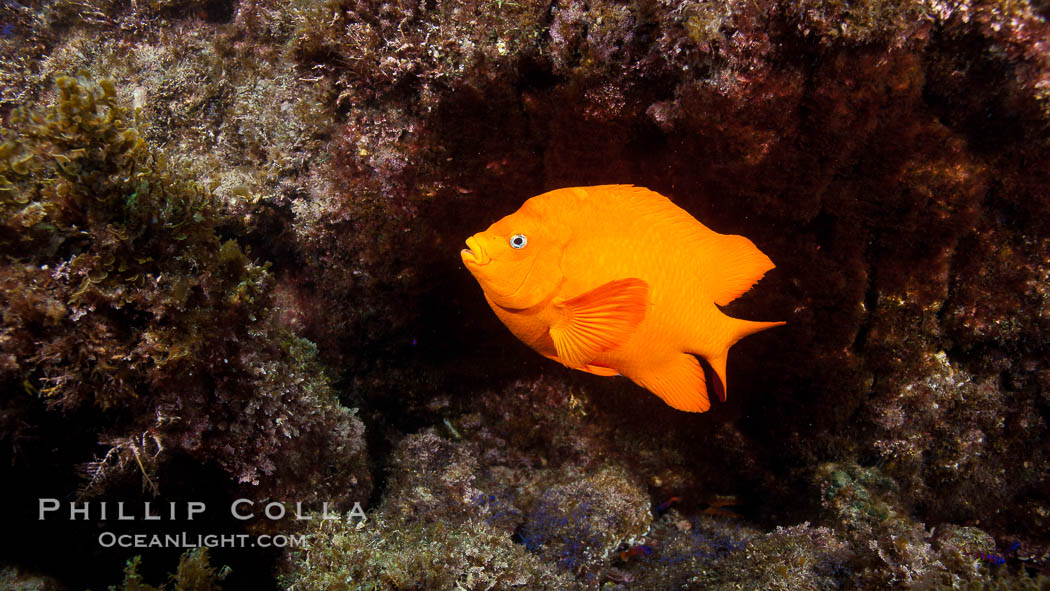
(598, 320)
(740, 265)
(679, 382)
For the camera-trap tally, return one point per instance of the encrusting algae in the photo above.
(617, 280)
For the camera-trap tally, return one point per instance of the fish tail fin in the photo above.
(743, 328)
(717, 361)
(718, 367)
(740, 265)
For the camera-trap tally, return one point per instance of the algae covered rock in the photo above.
(960, 443)
(463, 507)
(16, 579)
(378, 555)
(578, 525)
(799, 557)
(863, 506)
(125, 310)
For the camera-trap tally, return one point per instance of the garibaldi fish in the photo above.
(616, 279)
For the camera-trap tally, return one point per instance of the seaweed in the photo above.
(126, 311)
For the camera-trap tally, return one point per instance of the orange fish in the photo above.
(618, 280)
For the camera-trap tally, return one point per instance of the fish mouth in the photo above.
(474, 253)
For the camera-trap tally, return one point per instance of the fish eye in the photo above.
(518, 241)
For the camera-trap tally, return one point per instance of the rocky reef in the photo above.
(231, 233)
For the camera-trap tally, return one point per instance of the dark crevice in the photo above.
(220, 11)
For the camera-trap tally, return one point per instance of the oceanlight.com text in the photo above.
(186, 540)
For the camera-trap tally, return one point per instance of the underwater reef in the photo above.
(231, 271)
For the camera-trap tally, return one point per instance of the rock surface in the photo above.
(891, 157)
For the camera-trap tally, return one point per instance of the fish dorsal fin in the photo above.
(731, 263)
(599, 320)
(680, 383)
(739, 266)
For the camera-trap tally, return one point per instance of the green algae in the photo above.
(122, 302)
(194, 573)
(92, 199)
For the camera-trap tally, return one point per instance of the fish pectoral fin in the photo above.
(679, 382)
(599, 320)
(598, 370)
